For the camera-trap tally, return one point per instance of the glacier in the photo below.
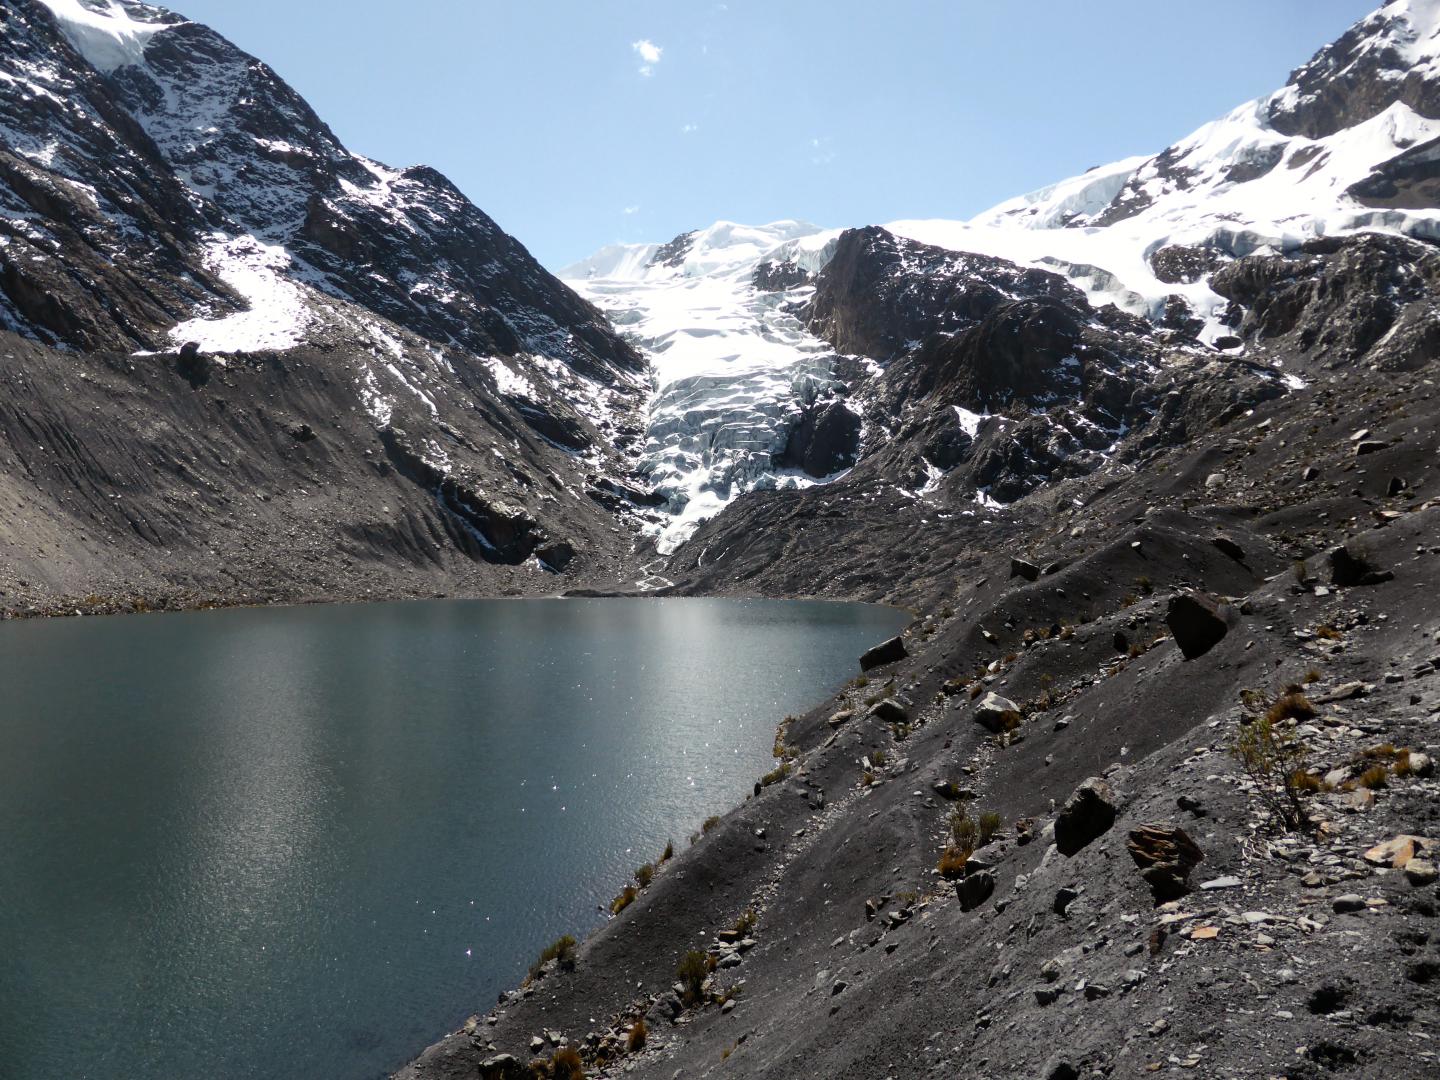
(732, 364)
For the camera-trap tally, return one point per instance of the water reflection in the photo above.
(302, 842)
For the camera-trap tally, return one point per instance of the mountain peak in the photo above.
(1392, 55)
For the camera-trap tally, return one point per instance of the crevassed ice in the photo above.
(731, 367)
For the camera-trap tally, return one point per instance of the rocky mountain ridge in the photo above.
(177, 218)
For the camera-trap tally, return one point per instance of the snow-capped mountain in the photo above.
(160, 188)
(1350, 145)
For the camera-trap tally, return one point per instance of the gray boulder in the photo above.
(997, 714)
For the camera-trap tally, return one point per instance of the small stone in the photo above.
(1205, 933)
(1348, 903)
(1222, 883)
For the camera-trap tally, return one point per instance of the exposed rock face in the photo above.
(1338, 301)
(825, 441)
(1367, 70)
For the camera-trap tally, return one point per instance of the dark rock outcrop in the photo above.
(887, 652)
(1196, 622)
(1086, 816)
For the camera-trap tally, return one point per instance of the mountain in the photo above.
(1148, 787)
(1130, 286)
(206, 297)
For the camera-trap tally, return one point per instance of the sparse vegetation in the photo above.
(625, 899)
(644, 875)
(565, 1064)
(775, 775)
(952, 862)
(1272, 758)
(669, 852)
(561, 950)
(1377, 776)
(635, 1040)
(709, 824)
(989, 825)
(1292, 705)
(695, 967)
(1328, 633)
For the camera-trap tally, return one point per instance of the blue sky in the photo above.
(577, 123)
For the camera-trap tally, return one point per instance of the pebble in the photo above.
(1347, 903)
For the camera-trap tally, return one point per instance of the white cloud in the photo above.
(630, 211)
(649, 54)
(689, 129)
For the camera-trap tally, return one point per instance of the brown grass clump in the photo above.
(746, 922)
(867, 778)
(775, 775)
(561, 949)
(1328, 633)
(1377, 776)
(695, 966)
(644, 875)
(565, 1064)
(1312, 676)
(1402, 763)
(952, 862)
(977, 690)
(1291, 706)
(635, 1041)
(1306, 781)
(669, 852)
(625, 899)
(709, 823)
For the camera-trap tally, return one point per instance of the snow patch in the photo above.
(103, 32)
(278, 313)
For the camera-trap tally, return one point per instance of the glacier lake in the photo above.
(307, 841)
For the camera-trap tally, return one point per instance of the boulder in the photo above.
(887, 652)
(1022, 569)
(1196, 622)
(890, 711)
(1229, 547)
(997, 714)
(1349, 568)
(502, 1067)
(974, 889)
(839, 718)
(556, 554)
(1086, 815)
(1165, 856)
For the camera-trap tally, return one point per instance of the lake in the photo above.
(305, 842)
